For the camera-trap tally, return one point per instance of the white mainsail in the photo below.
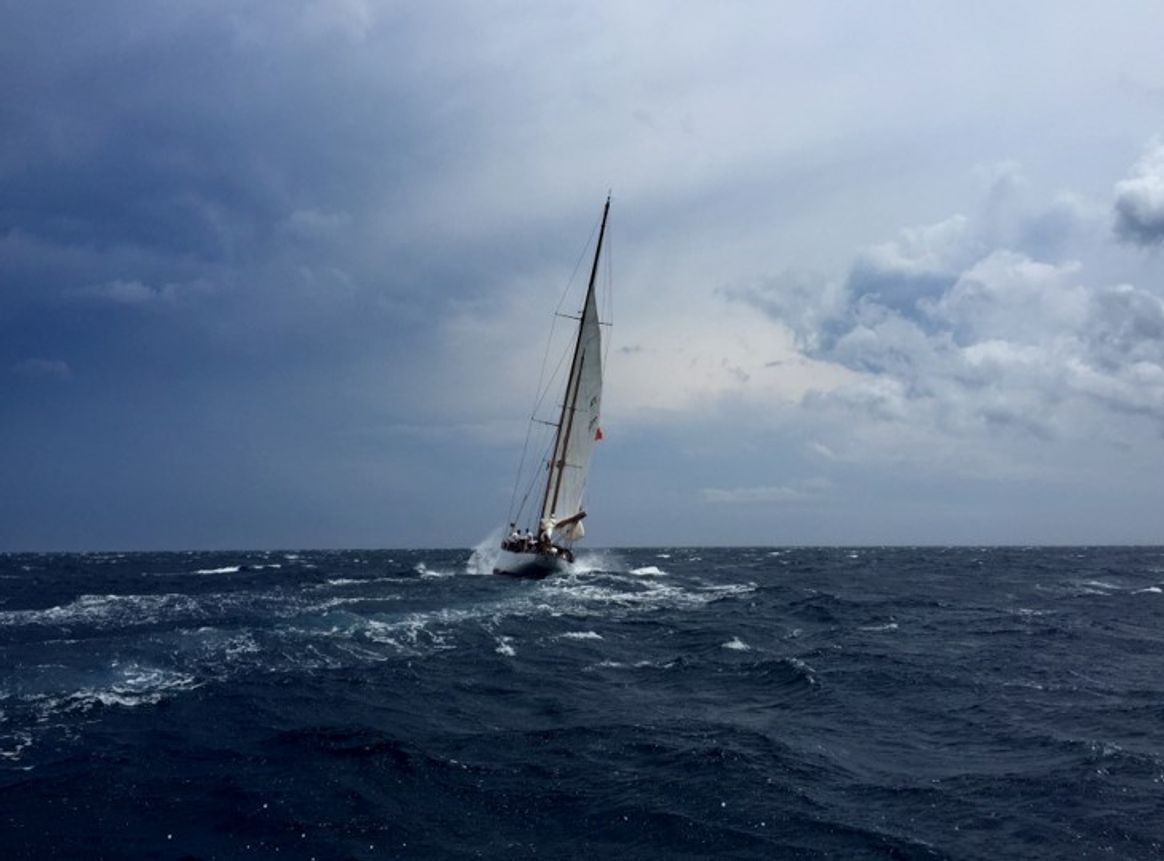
(578, 430)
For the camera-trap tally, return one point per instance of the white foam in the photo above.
(133, 685)
(331, 603)
(595, 561)
(15, 745)
(362, 581)
(621, 665)
(503, 647)
(804, 668)
(737, 645)
(577, 595)
(1156, 590)
(573, 595)
(102, 609)
(648, 571)
(237, 646)
(888, 626)
(136, 679)
(483, 559)
(424, 571)
(229, 569)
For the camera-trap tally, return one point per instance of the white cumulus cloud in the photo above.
(1139, 204)
(968, 345)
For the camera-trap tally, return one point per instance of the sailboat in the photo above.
(548, 547)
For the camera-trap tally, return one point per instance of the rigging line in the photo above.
(535, 474)
(549, 385)
(511, 515)
(578, 263)
(543, 386)
(539, 401)
(541, 393)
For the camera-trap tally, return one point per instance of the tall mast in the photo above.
(566, 420)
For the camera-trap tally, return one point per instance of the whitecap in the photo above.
(340, 602)
(102, 609)
(13, 746)
(596, 562)
(242, 644)
(808, 672)
(229, 569)
(888, 626)
(580, 635)
(503, 647)
(134, 685)
(424, 571)
(737, 645)
(1156, 590)
(622, 665)
(648, 571)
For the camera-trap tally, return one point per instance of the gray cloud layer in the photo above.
(277, 273)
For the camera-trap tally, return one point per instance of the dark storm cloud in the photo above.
(177, 142)
(247, 167)
(201, 274)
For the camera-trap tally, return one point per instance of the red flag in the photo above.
(597, 433)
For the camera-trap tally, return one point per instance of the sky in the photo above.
(279, 275)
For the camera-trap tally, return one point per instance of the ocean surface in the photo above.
(657, 703)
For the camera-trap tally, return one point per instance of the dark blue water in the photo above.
(670, 703)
